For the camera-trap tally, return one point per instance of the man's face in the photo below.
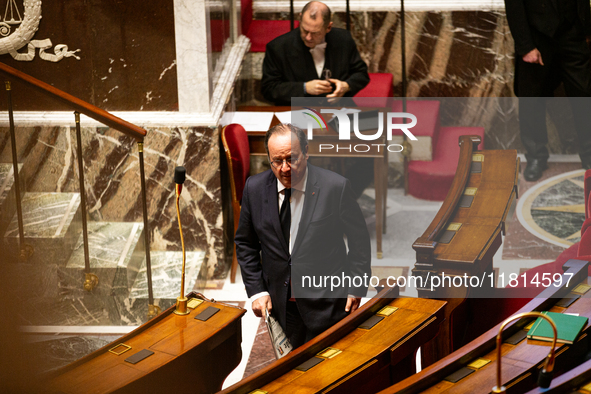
(284, 146)
(313, 31)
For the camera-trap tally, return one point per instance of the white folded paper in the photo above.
(251, 121)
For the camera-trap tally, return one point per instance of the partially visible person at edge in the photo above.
(550, 47)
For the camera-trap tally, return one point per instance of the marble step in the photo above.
(7, 194)
(166, 275)
(116, 251)
(52, 223)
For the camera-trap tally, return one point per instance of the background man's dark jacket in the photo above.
(531, 20)
(288, 64)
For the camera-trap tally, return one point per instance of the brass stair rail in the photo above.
(91, 280)
(23, 255)
(104, 117)
(78, 105)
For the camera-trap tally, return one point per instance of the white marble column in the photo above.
(193, 55)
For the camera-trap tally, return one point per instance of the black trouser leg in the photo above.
(533, 84)
(532, 127)
(295, 329)
(576, 74)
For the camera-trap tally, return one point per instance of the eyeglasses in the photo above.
(292, 161)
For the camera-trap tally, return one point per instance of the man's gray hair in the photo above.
(284, 128)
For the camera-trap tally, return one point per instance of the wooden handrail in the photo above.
(426, 243)
(78, 105)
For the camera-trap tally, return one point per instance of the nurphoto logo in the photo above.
(363, 125)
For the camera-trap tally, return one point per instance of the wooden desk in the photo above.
(189, 356)
(577, 380)
(521, 362)
(368, 358)
(256, 141)
(466, 233)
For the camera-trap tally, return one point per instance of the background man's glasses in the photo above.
(292, 161)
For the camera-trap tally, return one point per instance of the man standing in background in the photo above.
(550, 47)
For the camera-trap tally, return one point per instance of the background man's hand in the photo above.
(318, 86)
(260, 304)
(342, 87)
(533, 56)
(352, 304)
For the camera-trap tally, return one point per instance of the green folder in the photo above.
(568, 326)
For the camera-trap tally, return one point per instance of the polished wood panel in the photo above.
(521, 363)
(474, 244)
(189, 356)
(369, 360)
(81, 106)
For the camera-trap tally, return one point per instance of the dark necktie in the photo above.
(285, 215)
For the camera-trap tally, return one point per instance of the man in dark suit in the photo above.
(550, 48)
(275, 255)
(295, 63)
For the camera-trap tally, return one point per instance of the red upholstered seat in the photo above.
(261, 32)
(237, 151)
(220, 32)
(431, 180)
(380, 85)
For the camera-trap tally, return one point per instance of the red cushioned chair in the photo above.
(379, 86)
(220, 31)
(261, 32)
(235, 143)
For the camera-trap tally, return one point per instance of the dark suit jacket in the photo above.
(531, 21)
(330, 211)
(288, 64)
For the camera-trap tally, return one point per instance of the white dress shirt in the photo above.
(319, 58)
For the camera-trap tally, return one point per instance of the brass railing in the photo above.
(103, 117)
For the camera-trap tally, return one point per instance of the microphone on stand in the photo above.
(545, 377)
(179, 179)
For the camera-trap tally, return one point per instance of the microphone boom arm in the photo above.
(549, 365)
(181, 301)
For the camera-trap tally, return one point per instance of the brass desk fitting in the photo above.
(153, 311)
(90, 282)
(25, 253)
